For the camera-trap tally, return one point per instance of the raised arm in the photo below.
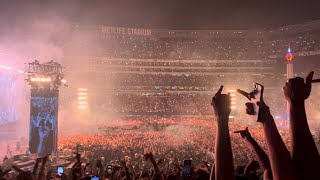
(22, 174)
(124, 166)
(35, 168)
(101, 169)
(150, 157)
(280, 159)
(4, 173)
(221, 104)
(262, 157)
(42, 175)
(303, 149)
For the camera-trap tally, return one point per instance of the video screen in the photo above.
(8, 103)
(43, 124)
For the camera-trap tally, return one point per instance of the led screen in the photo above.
(43, 124)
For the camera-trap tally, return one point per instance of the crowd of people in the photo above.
(165, 103)
(152, 146)
(158, 80)
(218, 149)
(221, 45)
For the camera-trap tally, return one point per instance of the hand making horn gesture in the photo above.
(221, 104)
(296, 90)
(314, 80)
(244, 133)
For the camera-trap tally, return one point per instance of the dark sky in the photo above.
(169, 14)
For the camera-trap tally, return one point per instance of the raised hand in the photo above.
(77, 156)
(148, 156)
(87, 164)
(244, 133)
(261, 156)
(221, 104)
(45, 158)
(2, 174)
(265, 113)
(296, 90)
(303, 148)
(23, 175)
(245, 94)
(252, 166)
(99, 164)
(38, 160)
(315, 80)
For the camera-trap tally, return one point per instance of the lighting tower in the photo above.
(45, 80)
(289, 57)
(233, 94)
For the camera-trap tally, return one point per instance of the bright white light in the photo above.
(231, 116)
(82, 94)
(289, 50)
(233, 102)
(233, 99)
(232, 90)
(5, 67)
(82, 102)
(82, 107)
(82, 89)
(232, 95)
(82, 98)
(34, 79)
(233, 107)
(64, 81)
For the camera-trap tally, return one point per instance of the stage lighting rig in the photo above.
(45, 75)
(45, 80)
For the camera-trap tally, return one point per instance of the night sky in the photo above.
(168, 14)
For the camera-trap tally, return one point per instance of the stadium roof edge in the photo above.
(169, 32)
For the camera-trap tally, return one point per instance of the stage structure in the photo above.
(289, 57)
(45, 80)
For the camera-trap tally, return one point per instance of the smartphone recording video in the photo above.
(257, 96)
(95, 178)
(109, 169)
(60, 170)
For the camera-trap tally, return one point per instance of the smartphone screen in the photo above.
(109, 169)
(258, 94)
(186, 169)
(95, 178)
(60, 170)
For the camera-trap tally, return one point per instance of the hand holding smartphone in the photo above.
(60, 170)
(256, 95)
(109, 169)
(94, 177)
